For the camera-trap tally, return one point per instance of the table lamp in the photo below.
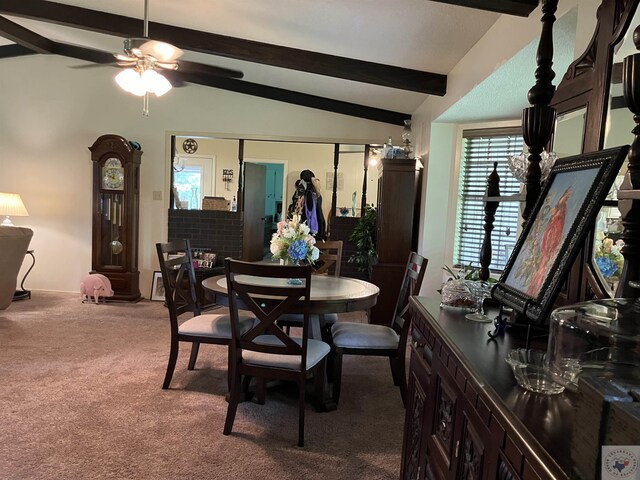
(11, 205)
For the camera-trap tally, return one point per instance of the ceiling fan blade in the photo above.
(161, 51)
(203, 69)
(175, 79)
(92, 65)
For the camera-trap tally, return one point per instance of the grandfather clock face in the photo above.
(112, 174)
(112, 212)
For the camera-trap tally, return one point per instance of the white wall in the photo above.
(437, 141)
(50, 115)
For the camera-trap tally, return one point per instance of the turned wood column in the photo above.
(240, 196)
(363, 201)
(539, 120)
(334, 194)
(490, 207)
(629, 192)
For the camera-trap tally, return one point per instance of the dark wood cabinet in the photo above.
(466, 417)
(116, 200)
(397, 190)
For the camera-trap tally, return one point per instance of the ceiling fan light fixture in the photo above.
(154, 82)
(149, 81)
(161, 51)
(129, 80)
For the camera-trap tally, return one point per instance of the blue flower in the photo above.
(607, 266)
(297, 250)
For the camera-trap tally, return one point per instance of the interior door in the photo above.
(255, 177)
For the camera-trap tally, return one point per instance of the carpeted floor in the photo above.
(81, 398)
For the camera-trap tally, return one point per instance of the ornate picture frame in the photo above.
(555, 232)
(157, 288)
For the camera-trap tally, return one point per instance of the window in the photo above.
(480, 149)
(190, 176)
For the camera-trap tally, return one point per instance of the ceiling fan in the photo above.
(144, 60)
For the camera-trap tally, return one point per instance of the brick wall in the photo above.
(220, 231)
(341, 228)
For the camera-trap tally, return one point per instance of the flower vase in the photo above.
(293, 281)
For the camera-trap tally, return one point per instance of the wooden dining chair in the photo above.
(329, 261)
(351, 338)
(266, 351)
(179, 279)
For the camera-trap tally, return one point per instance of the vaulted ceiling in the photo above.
(374, 59)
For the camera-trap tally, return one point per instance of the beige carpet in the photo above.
(81, 398)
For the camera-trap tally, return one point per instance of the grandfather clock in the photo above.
(116, 200)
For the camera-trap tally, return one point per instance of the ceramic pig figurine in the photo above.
(95, 285)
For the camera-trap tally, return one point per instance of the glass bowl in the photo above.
(457, 294)
(531, 372)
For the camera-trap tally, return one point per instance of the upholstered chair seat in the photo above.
(363, 335)
(316, 351)
(214, 326)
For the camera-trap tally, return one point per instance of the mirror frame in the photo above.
(586, 84)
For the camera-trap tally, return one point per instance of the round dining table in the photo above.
(328, 295)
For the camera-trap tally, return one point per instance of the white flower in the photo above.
(277, 245)
(304, 229)
(315, 253)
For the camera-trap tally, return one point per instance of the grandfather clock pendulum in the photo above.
(116, 200)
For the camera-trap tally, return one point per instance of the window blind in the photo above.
(480, 149)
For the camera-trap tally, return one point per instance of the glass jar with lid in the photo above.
(600, 335)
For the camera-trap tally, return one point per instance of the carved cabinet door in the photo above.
(443, 445)
(414, 452)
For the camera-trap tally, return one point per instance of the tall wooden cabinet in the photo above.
(116, 200)
(398, 187)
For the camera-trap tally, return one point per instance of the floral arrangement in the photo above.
(293, 242)
(608, 257)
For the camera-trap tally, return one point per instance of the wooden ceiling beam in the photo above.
(295, 98)
(25, 37)
(521, 8)
(209, 79)
(231, 47)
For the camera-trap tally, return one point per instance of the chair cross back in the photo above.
(411, 283)
(174, 271)
(330, 255)
(268, 303)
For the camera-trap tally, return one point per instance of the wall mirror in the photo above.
(209, 167)
(569, 134)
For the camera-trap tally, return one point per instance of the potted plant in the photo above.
(364, 240)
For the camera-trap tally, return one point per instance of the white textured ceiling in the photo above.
(503, 94)
(417, 34)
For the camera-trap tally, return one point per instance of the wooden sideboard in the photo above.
(466, 416)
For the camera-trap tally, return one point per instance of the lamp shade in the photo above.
(11, 205)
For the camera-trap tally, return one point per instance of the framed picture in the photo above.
(157, 287)
(555, 232)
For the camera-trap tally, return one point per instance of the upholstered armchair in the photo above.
(14, 243)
